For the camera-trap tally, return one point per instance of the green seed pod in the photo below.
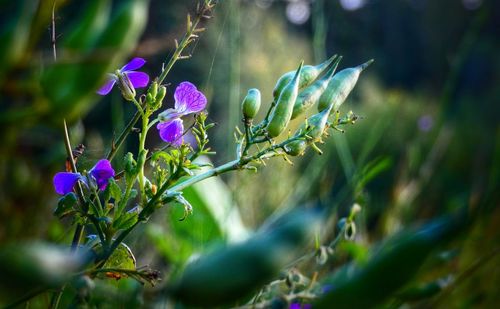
(251, 104)
(311, 94)
(282, 113)
(233, 273)
(316, 124)
(307, 76)
(340, 86)
(296, 148)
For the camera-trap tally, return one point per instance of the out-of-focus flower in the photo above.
(64, 182)
(188, 100)
(128, 79)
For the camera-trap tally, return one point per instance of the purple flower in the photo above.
(188, 100)
(127, 75)
(101, 172)
(64, 182)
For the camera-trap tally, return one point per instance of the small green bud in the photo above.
(153, 90)
(296, 148)
(251, 104)
(149, 99)
(161, 94)
(130, 166)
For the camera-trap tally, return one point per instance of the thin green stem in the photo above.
(139, 107)
(143, 152)
(123, 135)
(188, 37)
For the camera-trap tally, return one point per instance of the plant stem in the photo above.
(186, 39)
(143, 152)
(121, 138)
(69, 151)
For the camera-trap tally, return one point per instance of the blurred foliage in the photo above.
(427, 143)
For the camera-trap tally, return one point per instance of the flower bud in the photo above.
(251, 104)
(162, 91)
(340, 86)
(296, 148)
(153, 90)
(126, 87)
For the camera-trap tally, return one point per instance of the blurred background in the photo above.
(427, 142)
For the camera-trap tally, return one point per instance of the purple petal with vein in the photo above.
(65, 181)
(188, 99)
(138, 79)
(171, 131)
(101, 172)
(104, 90)
(134, 64)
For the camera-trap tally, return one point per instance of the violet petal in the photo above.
(171, 131)
(138, 79)
(106, 88)
(133, 64)
(65, 181)
(101, 172)
(188, 99)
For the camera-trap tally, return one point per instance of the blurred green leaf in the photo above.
(234, 272)
(65, 205)
(390, 267)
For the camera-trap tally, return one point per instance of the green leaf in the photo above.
(66, 204)
(122, 258)
(126, 220)
(112, 191)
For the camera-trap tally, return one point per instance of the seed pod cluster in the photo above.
(282, 113)
(311, 94)
(251, 104)
(340, 86)
(308, 75)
